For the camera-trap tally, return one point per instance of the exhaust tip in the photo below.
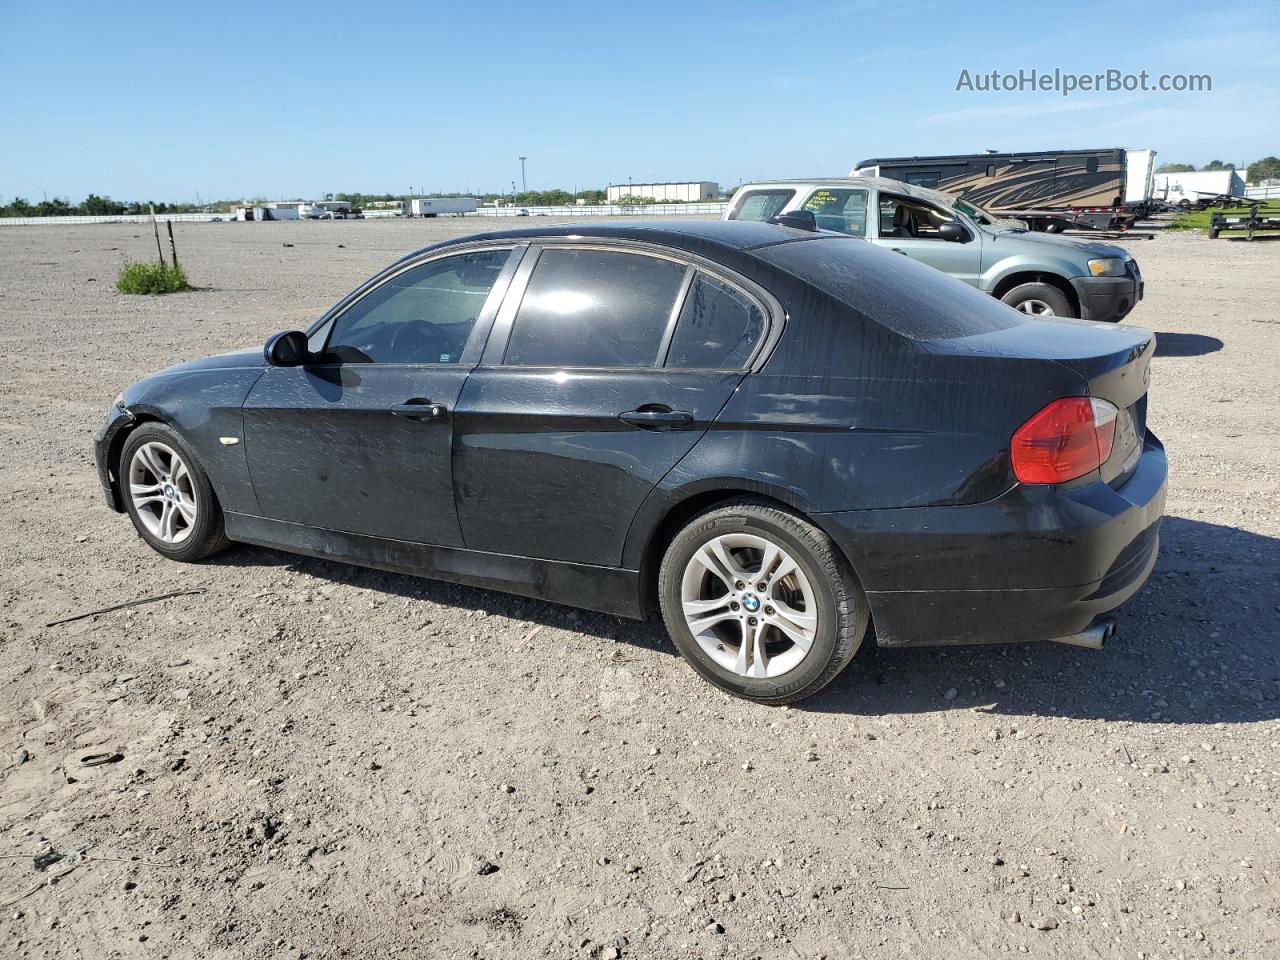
(1093, 637)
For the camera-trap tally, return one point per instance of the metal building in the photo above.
(688, 192)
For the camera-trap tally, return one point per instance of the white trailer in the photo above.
(1187, 189)
(287, 212)
(435, 206)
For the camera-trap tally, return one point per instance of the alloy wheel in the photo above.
(749, 605)
(1037, 308)
(162, 492)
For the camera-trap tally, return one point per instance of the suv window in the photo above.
(594, 308)
(841, 210)
(423, 315)
(760, 205)
(909, 219)
(718, 328)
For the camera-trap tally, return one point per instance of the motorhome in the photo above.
(1050, 189)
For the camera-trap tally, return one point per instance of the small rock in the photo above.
(130, 885)
(487, 868)
(507, 788)
(950, 694)
(1014, 917)
(713, 927)
(1045, 923)
(999, 684)
(610, 953)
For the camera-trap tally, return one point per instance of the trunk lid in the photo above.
(1113, 362)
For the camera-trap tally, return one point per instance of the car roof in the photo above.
(876, 183)
(728, 236)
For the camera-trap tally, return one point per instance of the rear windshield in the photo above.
(906, 297)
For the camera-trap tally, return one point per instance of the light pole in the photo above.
(524, 184)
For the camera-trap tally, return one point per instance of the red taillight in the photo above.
(1067, 439)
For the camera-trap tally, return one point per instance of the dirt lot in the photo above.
(323, 761)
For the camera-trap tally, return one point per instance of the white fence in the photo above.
(606, 210)
(595, 210)
(118, 218)
(1262, 193)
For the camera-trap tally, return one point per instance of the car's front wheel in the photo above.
(761, 603)
(1039, 300)
(168, 495)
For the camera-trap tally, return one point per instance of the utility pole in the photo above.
(524, 184)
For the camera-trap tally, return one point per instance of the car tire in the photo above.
(1039, 300)
(168, 495)
(809, 588)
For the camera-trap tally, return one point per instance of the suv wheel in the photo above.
(168, 495)
(1039, 300)
(761, 603)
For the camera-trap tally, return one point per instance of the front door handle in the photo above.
(419, 409)
(899, 250)
(657, 418)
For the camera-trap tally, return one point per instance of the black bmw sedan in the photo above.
(772, 435)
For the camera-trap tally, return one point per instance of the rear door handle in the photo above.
(420, 410)
(657, 418)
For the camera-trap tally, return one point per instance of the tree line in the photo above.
(92, 206)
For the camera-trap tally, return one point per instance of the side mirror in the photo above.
(953, 231)
(287, 349)
(799, 219)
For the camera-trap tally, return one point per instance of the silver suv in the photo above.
(1037, 273)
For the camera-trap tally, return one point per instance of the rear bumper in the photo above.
(1033, 564)
(1107, 299)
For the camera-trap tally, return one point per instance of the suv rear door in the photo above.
(606, 364)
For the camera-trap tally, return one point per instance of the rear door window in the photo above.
(719, 327)
(594, 308)
(844, 211)
(760, 205)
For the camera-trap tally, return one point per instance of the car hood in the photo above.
(238, 360)
(1059, 243)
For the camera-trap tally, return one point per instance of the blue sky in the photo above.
(161, 101)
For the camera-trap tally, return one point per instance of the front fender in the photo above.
(204, 406)
(1005, 267)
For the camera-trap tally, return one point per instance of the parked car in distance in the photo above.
(772, 435)
(1038, 273)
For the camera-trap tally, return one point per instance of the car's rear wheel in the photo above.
(168, 495)
(1039, 300)
(761, 603)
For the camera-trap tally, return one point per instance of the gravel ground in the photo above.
(322, 761)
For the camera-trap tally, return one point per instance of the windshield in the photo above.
(986, 218)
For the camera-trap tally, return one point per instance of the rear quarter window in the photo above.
(906, 297)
